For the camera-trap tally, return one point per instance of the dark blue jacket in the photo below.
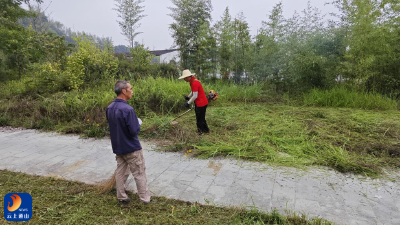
(124, 127)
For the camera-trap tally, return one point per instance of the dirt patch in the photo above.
(215, 166)
(74, 166)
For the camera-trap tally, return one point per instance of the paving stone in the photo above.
(201, 183)
(245, 174)
(193, 195)
(186, 176)
(307, 206)
(179, 166)
(168, 176)
(216, 192)
(174, 189)
(223, 181)
(236, 195)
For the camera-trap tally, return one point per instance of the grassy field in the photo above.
(348, 140)
(339, 128)
(58, 201)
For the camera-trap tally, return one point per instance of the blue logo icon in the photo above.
(18, 207)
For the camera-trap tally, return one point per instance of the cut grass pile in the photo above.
(58, 201)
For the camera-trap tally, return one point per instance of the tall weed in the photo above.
(164, 95)
(342, 97)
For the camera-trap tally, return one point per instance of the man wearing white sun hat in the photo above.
(198, 96)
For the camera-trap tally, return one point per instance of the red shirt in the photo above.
(201, 99)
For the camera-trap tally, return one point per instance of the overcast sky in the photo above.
(98, 17)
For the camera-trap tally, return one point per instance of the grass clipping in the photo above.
(108, 185)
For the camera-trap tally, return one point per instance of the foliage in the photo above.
(189, 16)
(129, 69)
(342, 97)
(130, 12)
(47, 78)
(242, 45)
(13, 44)
(87, 63)
(68, 110)
(121, 49)
(299, 53)
(22, 47)
(206, 55)
(372, 58)
(90, 63)
(141, 57)
(224, 36)
(294, 54)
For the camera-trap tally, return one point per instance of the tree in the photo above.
(130, 12)
(14, 39)
(207, 54)
(274, 27)
(141, 57)
(39, 21)
(307, 62)
(242, 45)
(189, 18)
(269, 59)
(225, 36)
(371, 60)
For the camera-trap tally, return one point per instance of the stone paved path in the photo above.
(344, 199)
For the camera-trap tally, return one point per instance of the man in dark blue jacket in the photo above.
(124, 129)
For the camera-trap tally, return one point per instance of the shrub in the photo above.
(90, 63)
(47, 78)
(4, 120)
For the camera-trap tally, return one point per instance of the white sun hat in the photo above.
(186, 73)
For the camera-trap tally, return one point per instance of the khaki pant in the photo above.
(133, 162)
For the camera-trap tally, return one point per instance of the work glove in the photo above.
(186, 97)
(187, 105)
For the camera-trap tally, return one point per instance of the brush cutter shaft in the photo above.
(182, 114)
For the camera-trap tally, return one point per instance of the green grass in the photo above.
(342, 97)
(83, 111)
(348, 140)
(58, 201)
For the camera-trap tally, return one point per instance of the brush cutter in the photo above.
(173, 122)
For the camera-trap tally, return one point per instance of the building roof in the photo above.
(162, 52)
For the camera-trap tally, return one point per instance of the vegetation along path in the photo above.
(344, 199)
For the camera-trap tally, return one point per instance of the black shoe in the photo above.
(125, 201)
